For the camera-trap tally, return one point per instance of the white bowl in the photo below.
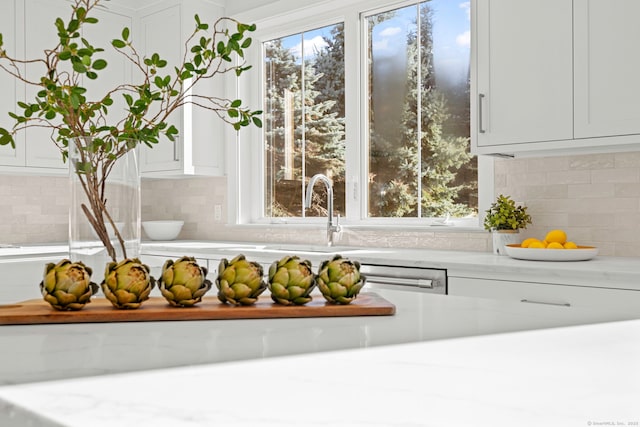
(162, 230)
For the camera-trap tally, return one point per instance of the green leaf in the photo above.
(246, 43)
(64, 55)
(100, 64)
(75, 101)
(233, 113)
(79, 67)
(6, 138)
(257, 121)
(125, 33)
(236, 103)
(50, 115)
(118, 44)
(91, 20)
(92, 75)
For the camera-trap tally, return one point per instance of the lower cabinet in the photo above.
(616, 300)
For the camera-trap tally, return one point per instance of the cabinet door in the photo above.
(614, 300)
(119, 68)
(524, 71)
(40, 34)
(8, 16)
(161, 32)
(607, 66)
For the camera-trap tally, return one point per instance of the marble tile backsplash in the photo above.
(595, 198)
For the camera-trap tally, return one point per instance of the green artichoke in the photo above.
(127, 283)
(67, 285)
(240, 281)
(183, 283)
(291, 281)
(339, 280)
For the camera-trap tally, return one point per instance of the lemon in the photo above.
(555, 245)
(536, 245)
(526, 242)
(570, 245)
(557, 236)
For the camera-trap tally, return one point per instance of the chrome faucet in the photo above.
(331, 226)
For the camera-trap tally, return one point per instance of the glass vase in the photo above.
(104, 214)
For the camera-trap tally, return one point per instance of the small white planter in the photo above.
(502, 238)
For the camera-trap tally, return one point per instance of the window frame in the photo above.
(245, 149)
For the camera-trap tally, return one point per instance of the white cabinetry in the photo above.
(607, 66)
(556, 76)
(35, 151)
(8, 20)
(616, 300)
(199, 148)
(525, 81)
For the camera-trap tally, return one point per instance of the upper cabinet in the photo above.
(607, 66)
(8, 18)
(555, 76)
(28, 29)
(199, 148)
(35, 152)
(525, 77)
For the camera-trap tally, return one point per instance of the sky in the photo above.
(451, 36)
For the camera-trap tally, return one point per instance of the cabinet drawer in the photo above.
(541, 293)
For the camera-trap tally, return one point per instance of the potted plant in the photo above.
(96, 146)
(504, 219)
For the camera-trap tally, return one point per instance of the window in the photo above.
(408, 97)
(304, 119)
(419, 112)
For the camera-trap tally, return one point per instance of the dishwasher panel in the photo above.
(431, 280)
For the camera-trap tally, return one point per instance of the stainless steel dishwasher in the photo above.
(431, 280)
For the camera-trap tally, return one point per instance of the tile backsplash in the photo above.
(595, 198)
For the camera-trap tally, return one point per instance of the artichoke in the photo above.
(67, 285)
(183, 283)
(291, 281)
(240, 281)
(127, 283)
(339, 280)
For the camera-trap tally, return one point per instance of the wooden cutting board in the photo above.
(100, 310)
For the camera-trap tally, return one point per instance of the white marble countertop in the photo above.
(614, 272)
(572, 376)
(440, 360)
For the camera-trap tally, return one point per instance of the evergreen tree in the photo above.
(313, 134)
(442, 152)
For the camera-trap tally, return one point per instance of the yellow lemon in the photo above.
(557, 236)
(555, 245)
(526, 242)
(536, 245)
(570, 245)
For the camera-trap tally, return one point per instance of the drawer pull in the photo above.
(559, 304)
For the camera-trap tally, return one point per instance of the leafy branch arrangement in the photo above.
(505, 215)
(61, 103)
